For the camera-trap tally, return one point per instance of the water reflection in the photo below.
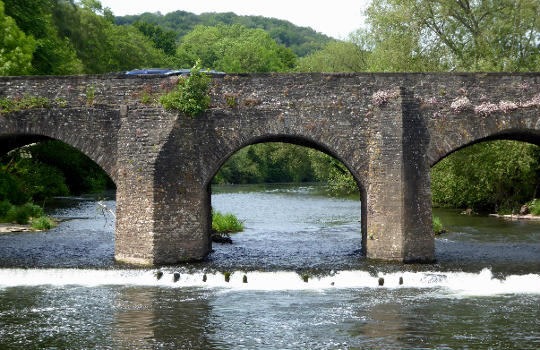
(134, 317)
(148, 318)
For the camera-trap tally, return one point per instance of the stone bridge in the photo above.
(388, 129)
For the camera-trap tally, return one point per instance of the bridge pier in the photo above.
(399, 223)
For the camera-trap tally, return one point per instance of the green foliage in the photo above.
(39, 180)
(337, 56)
(495, 175)
(438, 227)
(48, 169)
(429, 35)
(534, 205)
(5, 206)
(16, 47)
(164, 40)
(21, 214)
(190, 95)
(43, 223)
(33, 210)
(90, 93)
(271, 162)
(101, 46)
(332, 171)
(11, 188)
(8, 105)
(234, 49)
(18, 215)
(81, 174)
(300, 40)
(54, 54)
(225, 223)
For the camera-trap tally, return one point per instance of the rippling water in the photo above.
(62, 290)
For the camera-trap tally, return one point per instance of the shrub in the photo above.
(534, 205)
(17, 214)
(190, 95)
(225, 223)
(43, 223)
(5, 206)
(33, 210)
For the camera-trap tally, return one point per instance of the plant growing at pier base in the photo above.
(190, 95)
(438, 227)
(225, 223)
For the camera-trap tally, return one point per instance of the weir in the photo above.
(388, 129)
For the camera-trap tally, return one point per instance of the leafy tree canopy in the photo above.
(462, 35)
(234, 49)
(16, 48)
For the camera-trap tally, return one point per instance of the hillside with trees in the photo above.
(301, 40)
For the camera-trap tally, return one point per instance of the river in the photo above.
(62, 290)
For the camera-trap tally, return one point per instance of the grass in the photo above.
(43, 223)
(438, 227)
(225, 223)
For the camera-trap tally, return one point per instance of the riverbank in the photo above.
(516, 217)
(6, 228)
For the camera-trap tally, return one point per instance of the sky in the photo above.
(335, 18)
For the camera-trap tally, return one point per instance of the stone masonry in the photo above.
(388, 129)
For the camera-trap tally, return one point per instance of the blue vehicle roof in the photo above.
(166, 71)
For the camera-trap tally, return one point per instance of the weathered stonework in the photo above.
(388, 129)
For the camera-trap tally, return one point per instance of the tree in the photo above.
(164, 40)
(234, 49)
(495, 175)
(54, 54)
(102, 46)
(337, 56)
(463, 35)
(16, 48)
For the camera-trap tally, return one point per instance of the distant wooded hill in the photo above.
(301, 40)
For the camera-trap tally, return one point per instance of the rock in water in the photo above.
(244, 279)
(224, 239)
(381, 281)
(159, 274)
(400, 281)
(176, 276)
(524, 210)
(204, 278)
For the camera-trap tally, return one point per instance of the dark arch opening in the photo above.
(36, 168)
(81, 173)
(494, 175)
(307, 146)
(529, 136)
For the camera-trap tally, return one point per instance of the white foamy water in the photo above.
(458, 283)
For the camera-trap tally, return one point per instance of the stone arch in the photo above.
(296, 140)
(284, 138)
(524, 135)
(83, 129)
(449, 133)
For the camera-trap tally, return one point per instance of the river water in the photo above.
(62, 290)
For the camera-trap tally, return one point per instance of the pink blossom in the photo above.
(382, 96)
(534, 102)
(460, 104)
(507, 106)
(486, 108)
